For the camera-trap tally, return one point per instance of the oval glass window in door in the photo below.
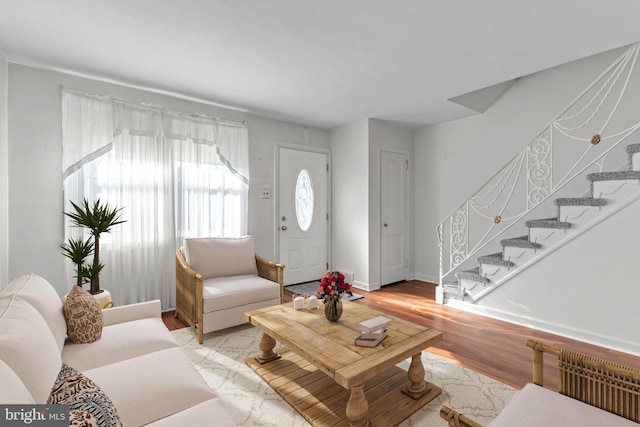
(304, 200)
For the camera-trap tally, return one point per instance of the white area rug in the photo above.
(251, 402)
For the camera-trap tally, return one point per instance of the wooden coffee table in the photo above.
(331, 381)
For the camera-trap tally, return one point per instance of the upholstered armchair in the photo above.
(218, 279)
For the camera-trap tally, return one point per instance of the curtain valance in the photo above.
(90, 122)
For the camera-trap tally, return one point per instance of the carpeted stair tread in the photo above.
(520, 242)
(495, 259)
(453, 290)
(473, 274)
(579, 201)
(633, 148)
(613, 176)
(547, 223)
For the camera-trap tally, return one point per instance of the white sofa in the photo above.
(218, 279)
(137, 363)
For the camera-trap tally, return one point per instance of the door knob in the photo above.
(385, 224)
(284, 227)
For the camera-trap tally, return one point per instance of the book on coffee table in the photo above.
(371, 339)
(375, 324)
(372, 335)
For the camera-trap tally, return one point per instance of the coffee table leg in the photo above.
(267, 343)
(357, 408)
(418, 386)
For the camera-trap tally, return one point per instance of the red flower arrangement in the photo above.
(332, 286)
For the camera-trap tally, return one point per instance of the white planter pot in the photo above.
(103, 299)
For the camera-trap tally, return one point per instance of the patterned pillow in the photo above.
(88, 405)
(81, 419)
(83, 316)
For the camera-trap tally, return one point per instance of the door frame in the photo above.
(276, 204)
(406, 219)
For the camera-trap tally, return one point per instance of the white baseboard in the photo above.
(553, 328)
(364, 286)
(426, 278)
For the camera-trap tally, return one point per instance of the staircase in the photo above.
(608, 193)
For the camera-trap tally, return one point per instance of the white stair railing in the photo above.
(579, 138)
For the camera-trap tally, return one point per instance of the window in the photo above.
(304, 200)
(173, 175)
(200, 189)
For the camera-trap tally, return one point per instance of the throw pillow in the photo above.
(88, 404)
(82, 419)
(83, 316)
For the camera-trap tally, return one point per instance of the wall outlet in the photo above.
(265, 193)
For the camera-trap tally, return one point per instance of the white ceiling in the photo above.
(319, 62)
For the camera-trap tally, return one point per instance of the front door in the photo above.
(393, 210)
(303, 215)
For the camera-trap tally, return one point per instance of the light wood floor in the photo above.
(491, 347)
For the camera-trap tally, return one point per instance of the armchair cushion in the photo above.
(227, 292)
(221, 256)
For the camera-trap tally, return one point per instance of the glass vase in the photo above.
(333, 310)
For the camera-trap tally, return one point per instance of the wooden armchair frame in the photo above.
(456, 419)
(189, 289)
(609, 386)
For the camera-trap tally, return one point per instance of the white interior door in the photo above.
(393, 198)
(303, 216)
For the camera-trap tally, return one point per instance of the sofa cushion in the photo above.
(120, 342)
(44, 298)
(83, 316)
(199, 415)
(153, 386)
(13, 390)
(85, 399)
(228, 292)
(28, 347)
(221, 256)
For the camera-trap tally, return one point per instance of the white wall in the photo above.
(4, 172)
(589, 295)
(586, 289)
(386, 136)
(350, 200)
(355, 178)
(454, 158)
(35, 152)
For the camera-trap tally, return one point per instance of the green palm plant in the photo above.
(77, 250)
(98, 218)
(91, 271)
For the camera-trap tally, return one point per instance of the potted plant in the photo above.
(77, 250)
(98, 218)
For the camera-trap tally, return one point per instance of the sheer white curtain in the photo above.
(174, 175)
